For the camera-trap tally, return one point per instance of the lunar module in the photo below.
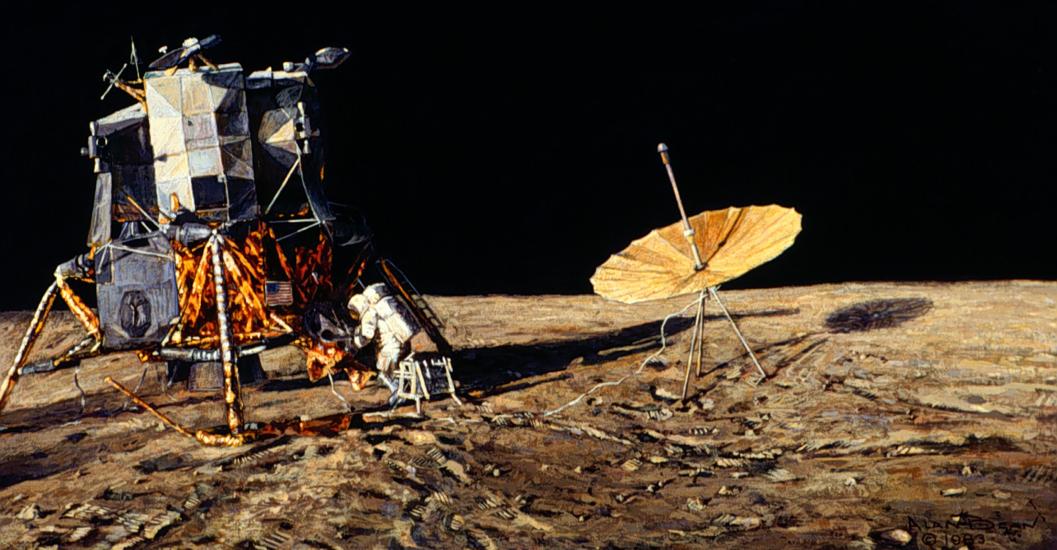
(211, 238)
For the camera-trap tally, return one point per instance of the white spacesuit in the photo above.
(386, 321)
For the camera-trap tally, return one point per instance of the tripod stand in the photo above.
(698, 337)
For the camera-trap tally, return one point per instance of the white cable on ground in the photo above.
(636, 372)
(334, 390)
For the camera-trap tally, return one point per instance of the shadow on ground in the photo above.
(71, 453)
(877, 314)
(496, 369)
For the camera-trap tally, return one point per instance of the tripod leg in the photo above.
(35, 327)
(715, 296)
(701, 333)
(693, 342)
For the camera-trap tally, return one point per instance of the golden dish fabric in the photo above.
(731, 242)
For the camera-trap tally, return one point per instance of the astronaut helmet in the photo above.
(370, 296)
(359, 304)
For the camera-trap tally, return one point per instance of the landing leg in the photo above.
(80, 310)
(232, 391)
(35, 327)
(715, 296)
(147, 407)
(324, 426)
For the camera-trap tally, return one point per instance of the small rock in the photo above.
(897, 536)
(953, 492)
(746, 522)
(160, 523)
(128, 544)
(750, 433)
(1000, 495)
(779, 475)
(727, 462)
(78, 534)
(419, 437)
(967, 471)
(695, 504)
(456, 469)
(666, 394)
(654, 434)
(851, 482)
(29, 513)
(207, 470)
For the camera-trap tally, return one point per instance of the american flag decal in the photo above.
(278, 293)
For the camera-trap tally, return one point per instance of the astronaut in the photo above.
(387, 322)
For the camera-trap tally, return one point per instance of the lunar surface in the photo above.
(893, 416)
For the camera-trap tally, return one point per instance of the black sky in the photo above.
(513, 151)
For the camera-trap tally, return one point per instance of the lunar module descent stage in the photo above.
(211, 238)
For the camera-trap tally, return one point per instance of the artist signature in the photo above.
(968, 529)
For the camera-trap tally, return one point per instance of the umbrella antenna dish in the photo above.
(694, 256)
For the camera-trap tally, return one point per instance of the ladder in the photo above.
(425, 315)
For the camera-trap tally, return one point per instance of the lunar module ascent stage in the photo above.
(211, 238)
